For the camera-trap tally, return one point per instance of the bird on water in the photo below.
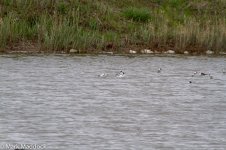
(159, 70)
(102, 75)
(121, 74)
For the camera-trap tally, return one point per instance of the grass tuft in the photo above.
(137, 14)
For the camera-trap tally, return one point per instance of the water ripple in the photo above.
(61, 102)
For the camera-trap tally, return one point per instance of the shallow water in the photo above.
(59, 102)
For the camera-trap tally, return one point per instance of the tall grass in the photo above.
(13, 30)
(59, 25)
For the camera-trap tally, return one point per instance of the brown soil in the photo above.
(23, 47)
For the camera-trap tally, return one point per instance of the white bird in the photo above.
(194, 73)
(102, 75)
(121, 74)
(159, 70)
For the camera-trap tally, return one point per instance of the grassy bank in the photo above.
(97, 25)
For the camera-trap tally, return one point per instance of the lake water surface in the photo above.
(61, 103)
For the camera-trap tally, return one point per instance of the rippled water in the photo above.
(60, 102)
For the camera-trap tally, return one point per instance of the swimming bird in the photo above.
(194, 73)
(102, 75)
(159, 70)
(121, 74)
(224, 71)
(203, 74)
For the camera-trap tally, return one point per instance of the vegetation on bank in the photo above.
(97, 25)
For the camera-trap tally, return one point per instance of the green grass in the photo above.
(91, 26)
(137, 14)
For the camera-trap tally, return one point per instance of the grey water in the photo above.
(60, 102)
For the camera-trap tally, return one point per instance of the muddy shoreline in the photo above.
(108, 53)
(121, 51)
(32, 47)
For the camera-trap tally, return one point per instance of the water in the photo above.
(59, 102)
